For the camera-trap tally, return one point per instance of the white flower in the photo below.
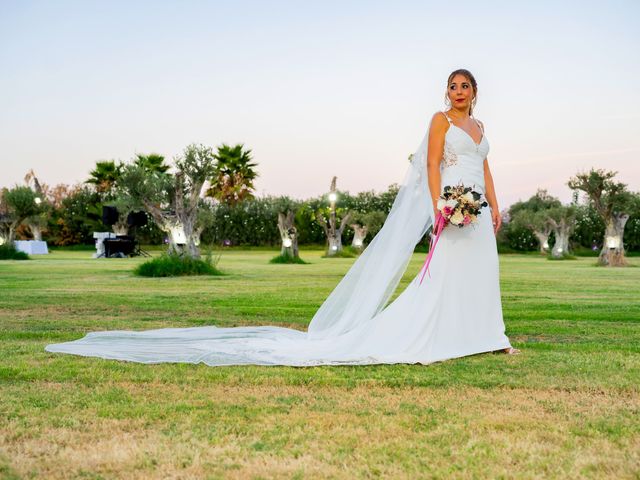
(440, 204)
(456, 218)
(451, 203)
(468, 197)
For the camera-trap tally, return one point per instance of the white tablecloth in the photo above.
(32, 247)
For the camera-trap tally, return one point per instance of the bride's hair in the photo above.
(474, 85)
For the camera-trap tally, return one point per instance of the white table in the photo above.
(100, 238)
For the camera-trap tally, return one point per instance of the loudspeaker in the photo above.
(137, 219)
(109, 215)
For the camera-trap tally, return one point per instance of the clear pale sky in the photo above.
(318, 89)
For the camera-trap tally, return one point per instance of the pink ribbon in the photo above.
(439, 226)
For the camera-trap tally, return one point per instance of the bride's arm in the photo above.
(437, 131)
(490, 194)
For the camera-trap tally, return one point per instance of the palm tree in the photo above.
(233, 176)
(105, 175)
(152, 162)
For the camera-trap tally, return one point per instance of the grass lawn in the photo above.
(568, 406)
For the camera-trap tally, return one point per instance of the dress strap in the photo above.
(479, 124)
(474, 119)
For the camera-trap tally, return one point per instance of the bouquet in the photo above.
(458, 205)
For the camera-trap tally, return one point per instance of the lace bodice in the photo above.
(463, 158)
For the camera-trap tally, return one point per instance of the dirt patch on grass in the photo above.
(321, 432)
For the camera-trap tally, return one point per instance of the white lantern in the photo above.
(333, 196)
(178, 235)
(334, 247)
(357, 242)
(286, 242)
(560, 250)
(38, 200)
(613, 242)
(545, 245)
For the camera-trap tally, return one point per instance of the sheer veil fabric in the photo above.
(367, 286)
(355, 325)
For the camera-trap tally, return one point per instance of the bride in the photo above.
(456, 311)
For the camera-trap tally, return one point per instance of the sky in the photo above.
(317, 89)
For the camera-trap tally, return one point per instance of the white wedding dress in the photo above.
(455, 312)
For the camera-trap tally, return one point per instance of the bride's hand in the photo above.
(497, 221)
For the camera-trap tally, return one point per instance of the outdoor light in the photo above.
(560, 250)
(178, 235)
(286, 242)
(545, 245)
(613, 242)
(38, 200)
(334, 247)
(357, 242)
(333, 196)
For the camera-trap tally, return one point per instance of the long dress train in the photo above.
(455, 312)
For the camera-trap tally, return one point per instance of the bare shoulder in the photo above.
(439, 122)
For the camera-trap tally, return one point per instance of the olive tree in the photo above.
(363, 224)
(288, 234)
(613, 202)
(20, 204)
(38, 221)
(562, 221)
(174, 201)
(330, 226)
(532, 215)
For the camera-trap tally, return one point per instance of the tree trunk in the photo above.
(192, 238)
(288, 235)
(12, 231)
(562, 228)
(334, 236)
(183, 237)
(359, 234)
(36, 231)
(169, 225)
(176, 236)
(335, 245)
(191, 248)
(561, 247)
(186, 215)
(121, 227)
(4, 234)
(612, 253)
(543, 239)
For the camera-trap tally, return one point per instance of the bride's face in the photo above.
(460, 92)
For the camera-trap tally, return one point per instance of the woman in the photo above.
(456, 312)
(461, 97)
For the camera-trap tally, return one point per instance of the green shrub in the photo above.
(171, 265)
(564, 256)
(9, 252)
(581, 251)
(286, 258)
(346, 252)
